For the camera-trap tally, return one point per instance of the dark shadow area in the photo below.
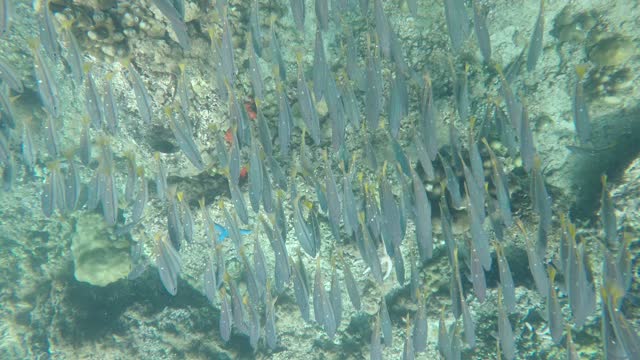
(93, 312)
(161, 139)
(616, 143)
(204, 185)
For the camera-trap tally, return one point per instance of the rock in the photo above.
(99, 258)
(611, 50)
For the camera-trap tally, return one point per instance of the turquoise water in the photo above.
(319, 179)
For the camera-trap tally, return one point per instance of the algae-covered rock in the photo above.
(99, 257)
(610, 49)
(572, 27)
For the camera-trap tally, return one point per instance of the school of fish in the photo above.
(381, 175)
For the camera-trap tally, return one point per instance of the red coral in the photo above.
(250, 106)
(228, 136)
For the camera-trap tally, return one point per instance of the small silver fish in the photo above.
(47, 87)
(535, 264)
(6, 14)
(398, 104)
(285, 122)
(350, 283)
(255, 176)
(467, 320)
(420, 325)
(322, 14)
(225, 316)
(142, 197)
(238, 202)
(321, 71)
(297, 10)
(169, 264)
(527, 146)
(428, 119)
(92, 102)
(304, 233)
(276, 54)
(271, 333)
(424, 229)
(482, 31)
(376, 345)
(110, 106)
(581, 118)
(373, 96)
(184, 93)
(506, 280)
(186, 217)
(608, 216)
(161, 177)
(505, 331)
(174, 221)
(256, 34)
(182, 132)
(10, 76)
(335, 294)
(29, 151)
(408, 352)
(307, 106)
(176, 19)
(143, 99)
(72, 186)
(383, 28)
(210, 285)
(535, 44)
(458, 24)
(477, 275)
(322, 308)
(300, 288)
(74, 57)
(554, 311)
(48, 32)
(255, 75)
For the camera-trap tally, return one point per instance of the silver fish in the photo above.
(10, 76)
(6, 14)
(110, 106)
(505, 331)
(210, 285)
(225, 316)
(352, 287)
(398, 104)
(506, 280)
(420, 325)
(143, 99)
(554, 311)
(176, 19)
(309, 112)
(581, 118)
(47, 87)
(535, 44)
(297, 10)
(92, 101)
(321, 71)
(169, 264)
(458, 24)
(322, 14)
(482, 31)
(255, 75)
(271, 333)
(48, 32)
(74, 57)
